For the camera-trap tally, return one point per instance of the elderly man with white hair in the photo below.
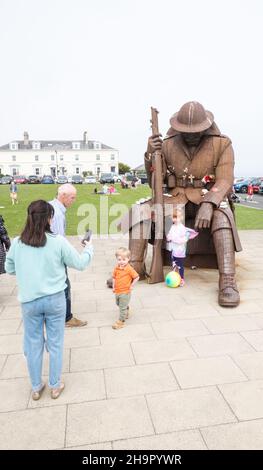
(65, 198)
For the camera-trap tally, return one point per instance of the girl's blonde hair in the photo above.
(123, 252)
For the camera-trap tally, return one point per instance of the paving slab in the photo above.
(14, 394)
(8, 326)
(161, 351)
(16, 365)
(11, 344)
(238, 436)
(250, 364)
(255, 338)
(187, 409)
(101, 446)
(230, 324)
(220, 345)
(101, 357)
(209, 371)
(127, 334)
(107, 420)
(11, 312)
(202, 310)
(179, 329)
(39, 429)
(79, 387)
(183, 440)
(2, 362)
(81, 337)
(138, 380)
(245, 399)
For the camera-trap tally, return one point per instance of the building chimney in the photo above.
(26, 139)
(85, 138)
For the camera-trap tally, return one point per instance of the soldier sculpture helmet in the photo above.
(192, 117)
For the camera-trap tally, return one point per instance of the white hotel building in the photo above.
(57, 157)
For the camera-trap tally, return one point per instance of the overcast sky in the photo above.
(98, 65)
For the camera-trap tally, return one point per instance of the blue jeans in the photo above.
(49, 310)
(68, 299)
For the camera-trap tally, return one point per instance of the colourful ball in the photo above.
(173, 279)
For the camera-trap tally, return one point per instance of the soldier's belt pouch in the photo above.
(171, 181)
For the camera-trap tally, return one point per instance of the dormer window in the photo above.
(13, 146)
(76, 145)
(97, 145)
(36, 145)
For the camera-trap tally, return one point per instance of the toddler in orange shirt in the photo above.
(124, 278)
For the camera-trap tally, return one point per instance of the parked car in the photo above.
(19, 179)
(144, 179)
(117, 178)
(6, 179)
(90, 180)
(77, 179)
(62, 179)
(33, 179)
(243, 185)
(47, 179)
(260, 189)
(107, 178)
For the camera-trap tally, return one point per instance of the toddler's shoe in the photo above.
(182, 283)
(118, 324)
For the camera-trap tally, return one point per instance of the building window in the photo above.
(97, 157)
(13, 158)
(36, 145)
(112, 157)
(76, 145)
(76, 157)
(77, 171)
(52, 158)
(112, 169)
(61, 157)
(37, 171)
(98, 170)
(14, 171)
(13, 146)
(36, 158)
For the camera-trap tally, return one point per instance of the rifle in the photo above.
(156, 270)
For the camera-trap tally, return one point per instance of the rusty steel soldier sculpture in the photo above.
(194, 148)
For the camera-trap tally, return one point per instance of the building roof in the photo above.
(139, 168)
(57, 145)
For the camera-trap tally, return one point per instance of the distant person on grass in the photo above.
(13, 193)
(65, 198)
(250, 192)
(38, 259)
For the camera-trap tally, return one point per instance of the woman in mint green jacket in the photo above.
(38, 259)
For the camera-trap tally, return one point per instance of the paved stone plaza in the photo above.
(183, 374)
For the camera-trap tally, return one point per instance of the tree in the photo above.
(123, 168)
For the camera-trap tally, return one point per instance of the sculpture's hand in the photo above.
(154, 143)
(204, 215)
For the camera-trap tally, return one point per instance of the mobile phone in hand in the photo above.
(87, 237)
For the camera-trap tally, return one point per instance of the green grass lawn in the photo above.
(80, 213)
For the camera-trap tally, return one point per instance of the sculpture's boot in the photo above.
(224, 245)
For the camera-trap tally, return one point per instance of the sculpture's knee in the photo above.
(220, 221)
